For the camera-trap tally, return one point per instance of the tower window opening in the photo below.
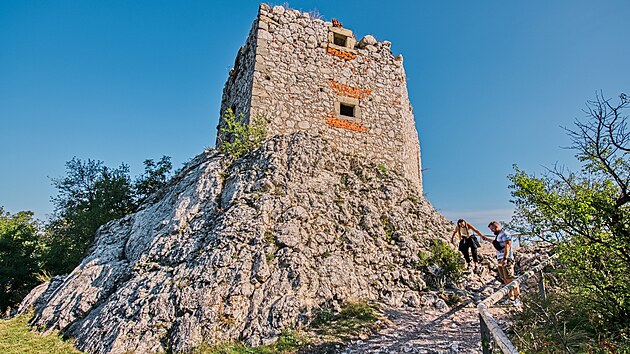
(346, 110)
(340, 39)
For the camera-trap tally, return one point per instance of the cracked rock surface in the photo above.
(242, 251)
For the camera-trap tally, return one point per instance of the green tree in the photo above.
(90, 195)
(241, 137)
(19, 256)
(155, 176)
(586, 214)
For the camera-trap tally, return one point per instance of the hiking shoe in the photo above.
(517, 302)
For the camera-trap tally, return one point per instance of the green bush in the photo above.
(241, 137)
(439, 254)
(360, 311)
(21, 251)
(353, 319)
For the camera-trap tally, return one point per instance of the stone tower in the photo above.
(304, 74)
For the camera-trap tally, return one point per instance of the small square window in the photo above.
(346, 110)
(340, 39)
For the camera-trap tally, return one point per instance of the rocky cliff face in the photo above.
(242, 251)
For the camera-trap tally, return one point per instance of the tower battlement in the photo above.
(305, 74)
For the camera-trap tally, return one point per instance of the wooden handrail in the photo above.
(490, 327)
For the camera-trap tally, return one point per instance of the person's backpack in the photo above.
(475, 240)
(497, 245)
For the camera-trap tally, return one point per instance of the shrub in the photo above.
(440, 255)
(353, 319)
(241, 137)
(382, 169)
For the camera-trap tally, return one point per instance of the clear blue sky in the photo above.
(491, 82)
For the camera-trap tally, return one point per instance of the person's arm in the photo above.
(506, 251)
(476, 231)
(480, 234)
(454, 232)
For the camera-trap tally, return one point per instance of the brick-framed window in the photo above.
(342, 39)
(348, 108)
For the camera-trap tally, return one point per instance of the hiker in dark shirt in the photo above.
(467, 241)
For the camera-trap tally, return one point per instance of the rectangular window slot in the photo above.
(339, 39)
(346, 110)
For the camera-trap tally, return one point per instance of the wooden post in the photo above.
(486, 336)
(541, 286)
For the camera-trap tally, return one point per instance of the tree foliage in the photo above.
(20, 251)
(586, 214)
(90, 195)
(241, 137)
(155, 176)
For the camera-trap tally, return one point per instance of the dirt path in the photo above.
(433, 331)
(455, 330)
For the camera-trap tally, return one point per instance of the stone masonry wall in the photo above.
(237, 92)
(301, 78)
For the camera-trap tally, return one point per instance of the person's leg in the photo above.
(514, 293)
(508, 280)
(509, 269)
(503, 274)
(463, 248)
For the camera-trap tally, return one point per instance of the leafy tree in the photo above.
(241, 137)
(19, 256)
(586, 214)
(155, 176)
(90, 195)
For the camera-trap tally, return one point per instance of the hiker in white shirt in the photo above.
(505, 257)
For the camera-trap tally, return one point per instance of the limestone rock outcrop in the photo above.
(244, 250)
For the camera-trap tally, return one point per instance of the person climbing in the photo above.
(505, 258)
(467, 241)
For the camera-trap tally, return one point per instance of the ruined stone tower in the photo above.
(304, 74)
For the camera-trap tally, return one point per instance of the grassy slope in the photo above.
(16, 337)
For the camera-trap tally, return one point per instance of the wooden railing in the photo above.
(490, 330)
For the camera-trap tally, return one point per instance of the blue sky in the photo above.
(491, 83)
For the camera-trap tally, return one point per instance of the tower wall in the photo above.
(302, 73)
